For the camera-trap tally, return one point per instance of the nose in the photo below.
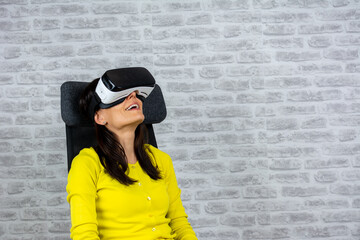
(131, 95)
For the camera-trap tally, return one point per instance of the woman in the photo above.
(123, 188)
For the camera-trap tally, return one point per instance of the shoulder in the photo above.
(87, 158)
(160, 158)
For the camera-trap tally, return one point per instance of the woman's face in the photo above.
(129, 113)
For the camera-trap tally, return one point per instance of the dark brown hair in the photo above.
(111, 153)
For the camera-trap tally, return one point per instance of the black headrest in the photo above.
(154, 105)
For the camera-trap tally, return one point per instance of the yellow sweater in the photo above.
(102, 208)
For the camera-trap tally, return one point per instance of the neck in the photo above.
(127, 139)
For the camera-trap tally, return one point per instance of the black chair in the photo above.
(80, 131)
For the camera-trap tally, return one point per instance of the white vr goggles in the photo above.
(116, 84)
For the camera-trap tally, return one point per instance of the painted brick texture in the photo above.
(263, 102)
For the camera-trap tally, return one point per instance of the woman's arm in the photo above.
(81, 189)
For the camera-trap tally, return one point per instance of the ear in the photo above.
(99, 118)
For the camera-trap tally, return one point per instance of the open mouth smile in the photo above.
(133, 107)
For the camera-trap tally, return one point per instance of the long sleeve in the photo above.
(81, 189)
(179, 223)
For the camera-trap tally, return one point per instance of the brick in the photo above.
(347, 40)
(253, 57)
(28, 145)
(178, 6)
(320, 28)
(115, 8)
(49, 132)
(273, 233)
(350, 175)
(297, 56)
(319, 68)
(12, 52)
(193, 183)
(15, 133)
(230, 111)
(14, 26)
(11, 160)
(201, 126)
(212, 194)
(63, 10)
(308, 4)
(238, 17)
(182, 73)
(265, 206)
(60, 227)
(303, 191)
(28, 228)
(237, 220)
(341, 54)
(184, 113)
(242, 44)
(282, 124)
(199, 19)
(320, 41)
(23, 92)
(6, 80)
(5, 147)
(321, 232)
(23, 38)
(326, 204)
(232, 84)
(15, 187)
(202, 154)
(216, 207)
(86, 23)
(313, 123)
(327, 163)
(73, 36)
(227, 5)
(188, 87)
(297, 110)
(30, 119)
(118, 35)
(203, 222)
(344, 149)
(326, 176)
(287, 82)
(352, 68)
(338, 14)
(187, 33)
(353, 26)
(211, 59)
(259, 192)
(174, 60)
(287, 218)
(337, 81)
(347, 135)
(46, 24)
(345, 189)
(306, 96)
(247, 151)
(8, 215)
(57, 200)
(248, 165)
(20, 201)
(239, 180)
(167, 20)
(211, 72)
(283, 43)
(17, 66)
(341, 216)
(240, 30)
(285, 164)
(33, 214)
(280, 29)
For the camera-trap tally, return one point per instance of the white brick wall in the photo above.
(263, 103)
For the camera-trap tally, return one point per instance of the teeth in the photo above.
(132, 106)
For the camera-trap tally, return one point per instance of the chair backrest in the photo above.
(80, 131)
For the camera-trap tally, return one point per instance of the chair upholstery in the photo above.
(80, 131)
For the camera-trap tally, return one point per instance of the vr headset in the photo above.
(116, 84)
